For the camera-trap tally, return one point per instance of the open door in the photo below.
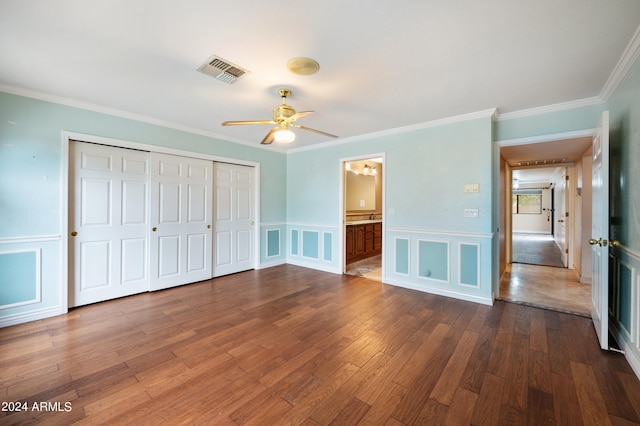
(560, 209)
(600, 232)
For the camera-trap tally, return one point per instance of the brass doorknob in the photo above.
(594, 242)
(74, 233)
(154, 229)
(614, 243)
(208, 226)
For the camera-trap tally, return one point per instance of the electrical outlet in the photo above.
(471, 187)
(470, 212)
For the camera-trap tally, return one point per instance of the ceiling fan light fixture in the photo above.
(284, 136)
(303, 66)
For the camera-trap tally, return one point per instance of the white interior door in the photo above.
(233, 218)
(108, 221)
(181, 237)
(560, 208)
(600, 232)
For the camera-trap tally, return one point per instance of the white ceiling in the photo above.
(383, 64)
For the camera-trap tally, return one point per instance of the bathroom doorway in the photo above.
(363, 215)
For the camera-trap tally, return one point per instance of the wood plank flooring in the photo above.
(289, 345)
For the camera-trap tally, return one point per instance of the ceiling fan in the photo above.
(283, 117)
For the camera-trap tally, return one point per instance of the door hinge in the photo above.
(566, 251)
(566, 214)
(566, 177)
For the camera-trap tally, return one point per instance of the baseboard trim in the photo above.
(24, 317)
(440, 292)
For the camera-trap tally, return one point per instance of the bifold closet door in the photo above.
(234, 218)
(181, 220)
(108, 222)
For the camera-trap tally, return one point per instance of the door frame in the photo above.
(342, 194)
(119, 143)
(501, 203)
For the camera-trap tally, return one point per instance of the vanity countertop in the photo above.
(363, 222)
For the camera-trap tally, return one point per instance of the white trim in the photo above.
(342, 233)
(35, 315)
(631, 253)
(436, 232)
(550, 108)
(399, 130)
(317, 266)
(266, 241)
(395, 257)
(323, 248)
(272, 263)
(265, 224)
(428, 278)
(74, 103)
(631, 352)
(291, 253)
(442, 292)
(65, 282)
(628, 58)
(312, 225)
(586, 133)
(317, 247)
(119, 143)
(30, 239)
(478, 265)
(38, 281)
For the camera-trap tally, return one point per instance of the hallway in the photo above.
(546, 287)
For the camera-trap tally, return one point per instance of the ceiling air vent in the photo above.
(222, 69)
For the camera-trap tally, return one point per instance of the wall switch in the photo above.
(361, 203)
(471, 187)
(470, 212)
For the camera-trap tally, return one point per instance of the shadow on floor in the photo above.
(536, 249)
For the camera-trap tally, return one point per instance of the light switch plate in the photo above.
(471, 187)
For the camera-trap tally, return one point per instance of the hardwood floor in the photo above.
(289, 345)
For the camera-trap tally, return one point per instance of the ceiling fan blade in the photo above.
(313, 130)
(301, 114)
(241, 123)
(269, 137)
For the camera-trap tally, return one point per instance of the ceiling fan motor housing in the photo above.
(282, 113)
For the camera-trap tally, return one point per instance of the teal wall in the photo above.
(31, 179)
(549, 123)
(425, 170)
(624, 140)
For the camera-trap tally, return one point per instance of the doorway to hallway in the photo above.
(541, 267)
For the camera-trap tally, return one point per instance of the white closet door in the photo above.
(181, 237)
(109, 224)
(234, 218)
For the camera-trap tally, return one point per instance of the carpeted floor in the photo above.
(536, 249)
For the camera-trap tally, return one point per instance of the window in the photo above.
(527, 201)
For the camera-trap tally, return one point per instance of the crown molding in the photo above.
(488, 113)
(550, 108)
(74, 103)
(628, 58)
(586, 133)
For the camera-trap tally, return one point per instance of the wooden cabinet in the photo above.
(363, 241)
